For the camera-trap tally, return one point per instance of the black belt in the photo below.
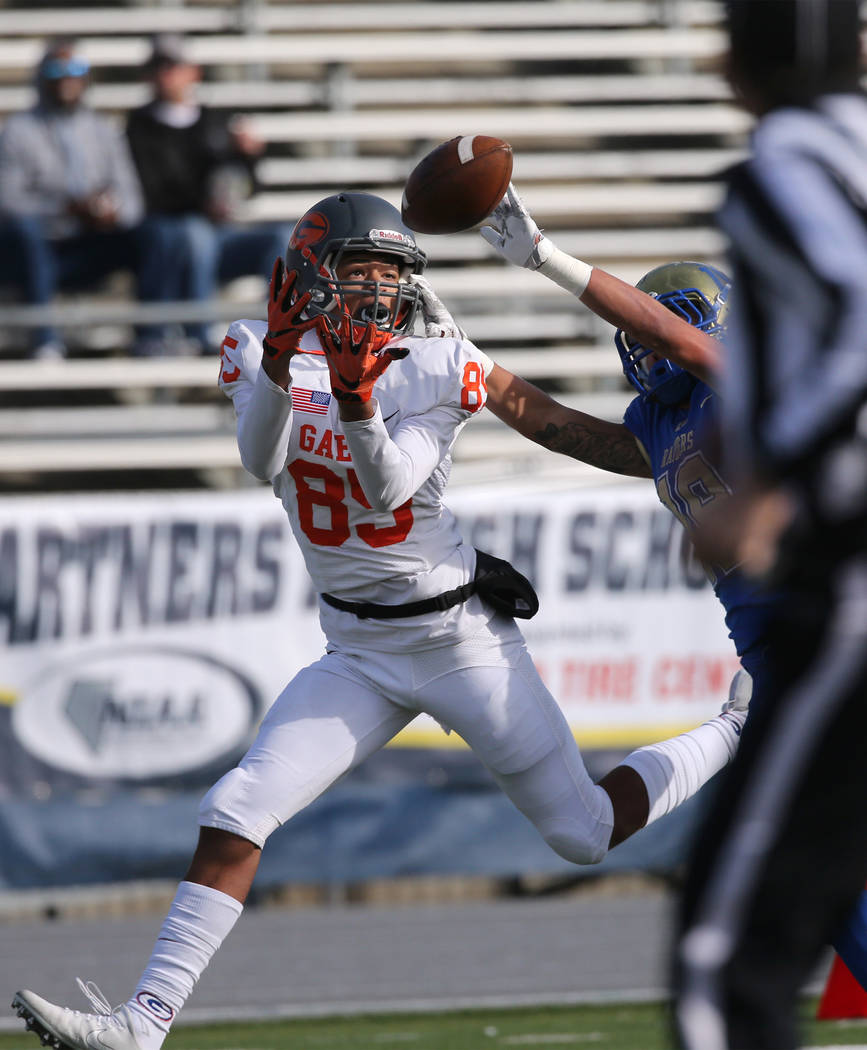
(372, 611)
(496, 582)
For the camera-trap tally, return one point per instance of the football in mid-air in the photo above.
(457, 184)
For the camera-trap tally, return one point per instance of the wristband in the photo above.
(571, 274)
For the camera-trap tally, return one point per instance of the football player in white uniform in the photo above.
(415, 619)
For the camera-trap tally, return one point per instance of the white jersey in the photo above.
(365, 498)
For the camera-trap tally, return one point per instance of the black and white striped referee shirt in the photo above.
(795, 389)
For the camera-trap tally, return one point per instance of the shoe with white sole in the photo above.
(65, 1029)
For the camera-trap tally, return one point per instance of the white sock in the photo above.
(197, 923)
(673, 770)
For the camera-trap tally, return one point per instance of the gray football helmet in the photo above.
(348, 223)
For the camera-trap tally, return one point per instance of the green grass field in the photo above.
(621, 1027)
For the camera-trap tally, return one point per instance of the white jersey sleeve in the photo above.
(440, 399)
(263, 409)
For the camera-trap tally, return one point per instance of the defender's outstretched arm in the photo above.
(530, 411)
(535, 415)
(513, 232)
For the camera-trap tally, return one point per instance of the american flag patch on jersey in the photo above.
(315, 401)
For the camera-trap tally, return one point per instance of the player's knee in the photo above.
(576, 843)
(231, 805)
(214, 807)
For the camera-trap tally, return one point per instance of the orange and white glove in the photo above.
(357, 356)
(285, 327)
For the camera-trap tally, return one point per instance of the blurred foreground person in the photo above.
(781, 860)
(69, 195)
(416, 620)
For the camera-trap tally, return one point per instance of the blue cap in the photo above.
(55, 68)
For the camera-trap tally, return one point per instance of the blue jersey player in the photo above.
(668, 326)
(673, 419)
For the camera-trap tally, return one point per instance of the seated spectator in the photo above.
(196, 166)
(69, 195)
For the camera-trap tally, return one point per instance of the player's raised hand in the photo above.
(512, 230)
(285, 326)
(438, 322)
(357, 356)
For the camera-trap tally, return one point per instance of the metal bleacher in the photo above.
(619, 118)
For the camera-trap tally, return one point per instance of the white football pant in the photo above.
(347, 705)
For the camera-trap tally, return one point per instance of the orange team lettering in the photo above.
(329, 446)
(225, 375)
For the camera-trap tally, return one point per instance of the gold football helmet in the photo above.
(694, 291)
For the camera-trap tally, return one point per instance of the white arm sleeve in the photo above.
(392, 469)
(263, 410)
(264, 413)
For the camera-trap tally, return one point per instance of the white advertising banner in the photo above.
(143, 635)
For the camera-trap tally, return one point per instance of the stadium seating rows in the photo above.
(621, 125)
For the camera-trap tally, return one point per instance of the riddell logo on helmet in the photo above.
(391, 235)
(310, 230)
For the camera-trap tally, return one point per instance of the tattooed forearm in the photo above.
(617, 452)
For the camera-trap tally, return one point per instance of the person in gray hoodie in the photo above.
(70, 198)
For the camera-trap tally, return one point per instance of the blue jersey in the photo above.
(687, 483)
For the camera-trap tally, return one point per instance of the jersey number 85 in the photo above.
(332, 497)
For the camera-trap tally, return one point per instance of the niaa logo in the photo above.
(137, 712)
